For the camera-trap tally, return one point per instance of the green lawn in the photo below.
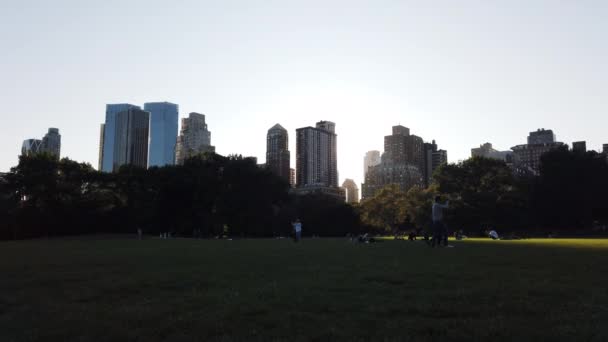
(323, 289)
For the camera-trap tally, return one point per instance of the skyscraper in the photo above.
(131, 138)
(51, 143)
(401, 147)
(277, 152)
(194, 138)
(101, 134)
(107, 149)
(352, 191)
(163, 133)
(31, 147)
(407, 162)
(433, 159)
(372, 158)
(316, 156)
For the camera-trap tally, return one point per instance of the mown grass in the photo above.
(321, 289)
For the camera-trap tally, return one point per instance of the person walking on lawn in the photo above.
(439, 227)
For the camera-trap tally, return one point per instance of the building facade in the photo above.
(102, 128)
(407, 162)
(541, 136)
(131, 138)
(527, 157)
(487, 151)
(107, 149)
(579, 146)
(292, 178)
(277, 152)
(316, 156)
(163, 133)
(406, 176)
(194, 138)
(31, 147)
(372, 158)
(433, 158)
(51, 143)
(352, 191)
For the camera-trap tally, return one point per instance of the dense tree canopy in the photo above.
(209, 196)
(483, 193)
(212, 195)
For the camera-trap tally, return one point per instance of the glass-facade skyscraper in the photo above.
(109, 134)
(51, 143)
(163, 133)
(131, 138)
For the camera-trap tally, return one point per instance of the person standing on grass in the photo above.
(439, 228)
(297, 229)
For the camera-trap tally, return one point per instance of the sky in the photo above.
(460, 72)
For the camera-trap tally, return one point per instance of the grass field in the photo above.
(323, 289)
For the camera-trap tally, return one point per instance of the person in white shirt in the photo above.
(297, 228)
(439, 228)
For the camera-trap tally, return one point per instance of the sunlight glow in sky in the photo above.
(461, 72)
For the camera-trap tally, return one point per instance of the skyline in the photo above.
(462, 74)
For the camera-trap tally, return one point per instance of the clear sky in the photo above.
(461, 72)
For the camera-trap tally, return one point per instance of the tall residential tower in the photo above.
(194, 138)
(316, 156)
(277, 152)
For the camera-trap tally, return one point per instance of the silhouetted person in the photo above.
(412, 236)
(439, 228)
(297, 230)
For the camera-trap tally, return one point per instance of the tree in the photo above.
(387, 210)
(571, 190)
(483, 193)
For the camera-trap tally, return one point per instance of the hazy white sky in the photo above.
(461, 72)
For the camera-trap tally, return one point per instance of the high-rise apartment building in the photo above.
(605, 148)
(541, 136)
(433, 158)
(31, 147)
(131, 134)
(194, 138)
(372, 158)
(440, 157)
(163, 133)
(107, 149)
(316, 156)
(407, 162)
(526, 158)
(51, 143)
(277, 152)
(352, 191)
(402, 147)
(579, 146)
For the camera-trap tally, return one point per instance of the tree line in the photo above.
(569, 195)
(208, 196)
(214, 196)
